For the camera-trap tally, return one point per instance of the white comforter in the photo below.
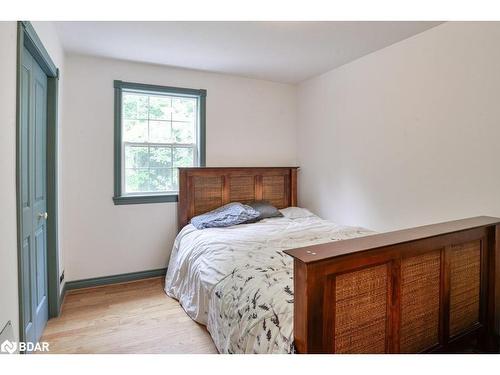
(238, 281)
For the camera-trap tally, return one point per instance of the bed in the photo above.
(303, 284)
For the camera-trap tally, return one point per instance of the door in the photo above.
(33, 134)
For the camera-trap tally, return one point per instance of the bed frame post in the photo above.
(308, 310)
(183, 206)
(293, 187)
(496, 282)
(491, 337)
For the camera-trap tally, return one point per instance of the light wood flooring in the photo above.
(136, 317)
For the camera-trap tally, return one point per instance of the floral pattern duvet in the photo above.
(238, 282)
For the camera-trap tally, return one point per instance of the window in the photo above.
(157, 130)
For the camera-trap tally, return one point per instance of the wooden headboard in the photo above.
(206, 188)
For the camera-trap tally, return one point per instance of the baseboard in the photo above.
(113, 279)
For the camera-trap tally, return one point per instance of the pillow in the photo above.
(225, 216)
(296, 213)
(265, 209)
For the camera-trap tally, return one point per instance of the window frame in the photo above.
(119, 197)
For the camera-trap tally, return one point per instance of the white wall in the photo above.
(249, 123)
(407, 135)
(8, 228)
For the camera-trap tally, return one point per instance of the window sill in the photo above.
(142, 199)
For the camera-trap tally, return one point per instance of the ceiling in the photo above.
(287, 52)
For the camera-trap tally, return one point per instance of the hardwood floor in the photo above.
(136, 317)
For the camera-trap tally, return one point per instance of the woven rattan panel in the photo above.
(465, 269)
(241, 188)
(420, 284)
(274, 190)
(207, 193)
(360, 311)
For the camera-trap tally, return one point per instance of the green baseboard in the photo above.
(113, 279)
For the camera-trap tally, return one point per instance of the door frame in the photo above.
(27, 37)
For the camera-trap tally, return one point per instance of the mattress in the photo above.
(238, 282)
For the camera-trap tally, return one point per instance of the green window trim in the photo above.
(119, 198)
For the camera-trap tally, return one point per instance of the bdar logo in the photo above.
(8, 347)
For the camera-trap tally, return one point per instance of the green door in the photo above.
(33, 133)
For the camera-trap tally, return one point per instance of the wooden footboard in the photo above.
(417, 290)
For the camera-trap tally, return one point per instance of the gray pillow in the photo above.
(265, 209)
(225, 216)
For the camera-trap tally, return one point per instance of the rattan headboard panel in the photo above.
(274, 190)
(207, 193)
(465, 286)
(203, 189)
(241, 188)
(420, 283)
(361, 310)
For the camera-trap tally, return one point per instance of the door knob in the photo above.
(43, 215)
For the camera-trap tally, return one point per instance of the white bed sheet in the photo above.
(238, 281)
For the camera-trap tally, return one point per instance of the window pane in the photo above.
(183, 132)
(136, 180)
(152, 124)
(175, 179)
(135, 106)
(160, 131)
(160, 107)
(160, 157)
(135, 130)
(184, 109)
(183, 157)
(136, 156)
(161, 179)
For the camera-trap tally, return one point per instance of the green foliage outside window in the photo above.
(159, 133)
